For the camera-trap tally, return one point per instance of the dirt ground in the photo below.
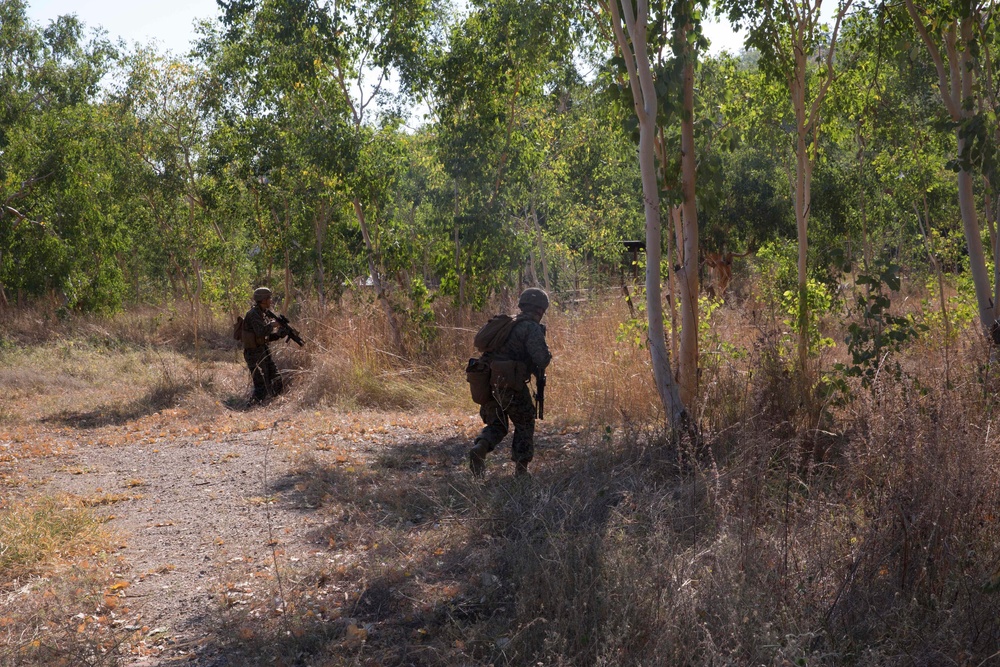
(208, 508)
(203, 508)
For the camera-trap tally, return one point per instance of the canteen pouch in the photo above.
(477, 374)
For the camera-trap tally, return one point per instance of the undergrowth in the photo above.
(59, 601)
(856, 525)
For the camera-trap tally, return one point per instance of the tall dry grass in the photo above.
(347, 362)
(858, 530)
(884, 551)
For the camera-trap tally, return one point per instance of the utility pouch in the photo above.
(509, 374)
(477, 374)
(250, 340)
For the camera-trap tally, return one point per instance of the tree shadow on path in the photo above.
(422, 564)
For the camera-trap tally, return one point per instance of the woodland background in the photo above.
(821, 488)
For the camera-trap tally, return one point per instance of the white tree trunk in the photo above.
(956, 78)
(641, 82)
(688, 362)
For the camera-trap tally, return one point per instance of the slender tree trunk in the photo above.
(644, 97)
(458, 256)
(390, 315)
(956, 76)
(540, 242)
(991, 221)
(866, 252)
(199, 288)
(663, 377)
(802, 183)
(973, 240)
(672, 283)
(321, 222)
(532, 270)
(688, 362)
(988, 308)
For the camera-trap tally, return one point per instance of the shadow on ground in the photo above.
(159, 398)
(442, 566)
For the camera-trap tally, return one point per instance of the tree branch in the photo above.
(950, 103)
(627, 55)
(830, 75)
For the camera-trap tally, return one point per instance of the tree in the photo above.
(789, 34)
(631, 30)
(958, 36)
(60, 228)
(307, 65)
(497, 133)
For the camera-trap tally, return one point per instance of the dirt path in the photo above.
(198, 507)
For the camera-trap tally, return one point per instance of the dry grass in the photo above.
(59, 603)
(37, 532)
(837, 532)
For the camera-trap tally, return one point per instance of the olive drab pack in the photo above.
(494, 333)
(488, 339)
(238, 329)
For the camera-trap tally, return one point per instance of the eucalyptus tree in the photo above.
(60, 226)
(320, 68)
(590, 181)
(199, 245)
(961, 38)
(885, 139)
(497, 128)
(796, 47)
(641, 32)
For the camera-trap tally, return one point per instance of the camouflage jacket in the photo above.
(526, 343)
(259, 328)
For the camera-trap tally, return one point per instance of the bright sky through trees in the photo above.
(171, 22)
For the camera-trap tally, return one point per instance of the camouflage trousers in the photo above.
(516, 406)
(266, 380)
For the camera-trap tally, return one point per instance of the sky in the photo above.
(171, 22)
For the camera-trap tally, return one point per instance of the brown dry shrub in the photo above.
(889, 550)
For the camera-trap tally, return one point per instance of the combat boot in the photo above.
(521, 469)
(477, 458)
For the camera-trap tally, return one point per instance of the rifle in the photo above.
(540, 394)
(290, 333)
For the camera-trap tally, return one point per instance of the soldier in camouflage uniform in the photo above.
(259, 329)
(523, 354)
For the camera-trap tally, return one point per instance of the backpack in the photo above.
(494, 333)
(238, 329)
(489, 338)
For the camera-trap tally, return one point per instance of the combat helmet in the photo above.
(261, 293)
(533, 298)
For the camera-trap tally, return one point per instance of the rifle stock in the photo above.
(290, 333)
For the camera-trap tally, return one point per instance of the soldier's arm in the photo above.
(537, 349)
(261, 329)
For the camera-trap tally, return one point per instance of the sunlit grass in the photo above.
(39, 533)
